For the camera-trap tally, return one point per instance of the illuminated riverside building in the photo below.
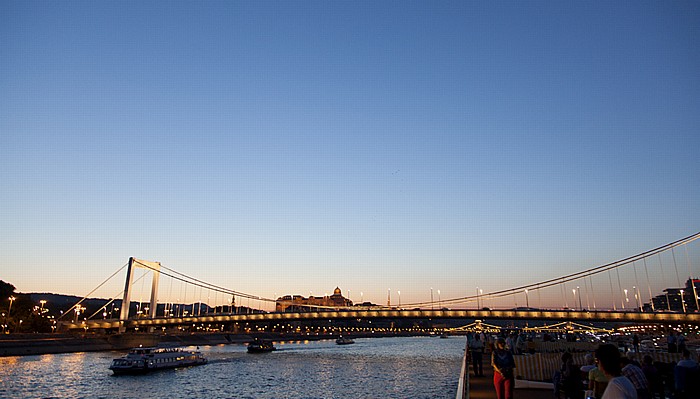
(298, 303)
(677, 299)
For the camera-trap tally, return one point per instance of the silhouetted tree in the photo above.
(6, 289)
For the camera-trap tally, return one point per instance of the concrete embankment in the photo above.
(39, 344)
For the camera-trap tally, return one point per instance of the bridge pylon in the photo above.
(126, 302)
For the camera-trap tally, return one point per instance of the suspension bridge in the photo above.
(636, 289)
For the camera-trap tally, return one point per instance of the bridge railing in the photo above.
(463, 385)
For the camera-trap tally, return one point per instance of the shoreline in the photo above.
(44, 344)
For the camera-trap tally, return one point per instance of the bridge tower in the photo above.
(136, 263)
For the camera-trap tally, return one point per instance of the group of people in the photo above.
(676, 343)
(502, 361)
(613, 376)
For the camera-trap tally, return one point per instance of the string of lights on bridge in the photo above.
(643, 261)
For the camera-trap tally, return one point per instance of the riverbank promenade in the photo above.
(482, 387)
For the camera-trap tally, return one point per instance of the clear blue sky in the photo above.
(288, 147)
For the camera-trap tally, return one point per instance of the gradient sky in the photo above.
(288, 147)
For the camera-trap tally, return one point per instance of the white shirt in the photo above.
(620, 388)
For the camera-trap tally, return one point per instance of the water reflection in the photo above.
(386, 367)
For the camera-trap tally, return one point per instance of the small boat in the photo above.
(344, 341)
(144, 360)
(260, 346)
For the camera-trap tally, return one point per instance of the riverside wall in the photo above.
(39, 344)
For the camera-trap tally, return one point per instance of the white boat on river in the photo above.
(143, 360)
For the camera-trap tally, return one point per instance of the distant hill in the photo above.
(59, 302)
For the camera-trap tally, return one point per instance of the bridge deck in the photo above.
(558, 315)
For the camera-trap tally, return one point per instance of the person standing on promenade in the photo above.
(477, 349)
(680, 346)
(619, 386)
(671, 341)
(503, 370)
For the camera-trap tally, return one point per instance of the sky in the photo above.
(292, 147)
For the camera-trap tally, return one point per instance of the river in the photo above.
(406, 367)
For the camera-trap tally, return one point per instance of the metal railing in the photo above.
(463, 385)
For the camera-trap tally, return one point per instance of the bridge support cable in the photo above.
(637, 298)
(590, 278)
(91, 292)
(574, 276)
(612, 293)
(619, 286)
(200, 283)
(588, 300)
(690, 276)
(663, 279)
(651, 299)
(678, 278)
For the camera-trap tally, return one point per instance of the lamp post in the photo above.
(42, 302)
(477, 299)
(439, 300)
(580, 306)
(626, 298)
(12, 299)
(399, 292)
(682, 300)
(527, 300)
(638, 298)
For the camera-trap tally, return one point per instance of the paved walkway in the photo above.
(482, 387)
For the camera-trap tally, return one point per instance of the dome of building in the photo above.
(336, 291)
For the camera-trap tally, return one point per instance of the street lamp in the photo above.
(638, 298)
(682, 300)
(399, 292)
(527, 300)
(42, 302)
(580, 306)
(439, 300)
(626, 298)
(12, 299)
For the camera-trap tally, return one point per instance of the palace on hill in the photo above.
(298, 303)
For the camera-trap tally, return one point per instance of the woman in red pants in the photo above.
(503, 370)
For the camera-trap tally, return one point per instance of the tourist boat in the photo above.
(143, 360)
(344, 341)
(260, 346)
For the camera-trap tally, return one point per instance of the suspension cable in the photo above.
(90, 293)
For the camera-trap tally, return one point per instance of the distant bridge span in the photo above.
(548, 315)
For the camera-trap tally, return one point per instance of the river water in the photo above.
(406, 367)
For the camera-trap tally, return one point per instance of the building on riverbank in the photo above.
(298, 303)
